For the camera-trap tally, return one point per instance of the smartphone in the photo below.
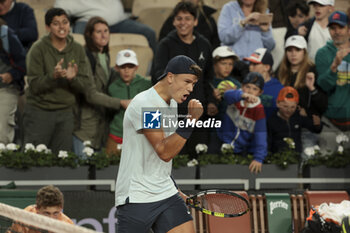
(265, 18)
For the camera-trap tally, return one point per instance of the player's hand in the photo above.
(125, 103)
(6, 78)
(184, 196)
(250, 98)
(310, 81)
(302, 30)
(316, 120)
(338, 58)
(255, 167)
(195, 109)
(72, 71)
(58, 71)
(212, 109)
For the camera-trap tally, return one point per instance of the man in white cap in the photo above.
(126, 86)
(315, 30)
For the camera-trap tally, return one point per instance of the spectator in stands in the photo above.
(315, 30)
(333, 67)
(261, 61)
(126, 86)
(57, 70)
(298, 13)
(287, 122)
(91, 122)
(20, 18)
(112, 11)
(185, 41)
(206, 23)
(12, 71)
(224, 60)
(279, 28)
(49, 202)
(244, 123)
(298, 71)
(239, 27)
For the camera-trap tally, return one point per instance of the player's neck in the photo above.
(163, 91)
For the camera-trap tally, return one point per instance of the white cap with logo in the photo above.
(296, 41)
(224, 51)
(126, 56)
(322, 2)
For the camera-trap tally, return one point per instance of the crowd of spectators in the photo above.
(73, 95)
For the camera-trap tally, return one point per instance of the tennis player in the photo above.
(146, 196)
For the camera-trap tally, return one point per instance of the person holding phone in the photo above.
(239, 26)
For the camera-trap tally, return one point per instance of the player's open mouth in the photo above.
(184, 97)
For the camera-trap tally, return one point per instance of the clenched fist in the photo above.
(195, 109)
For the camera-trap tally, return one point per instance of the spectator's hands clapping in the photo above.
(72, 71)
(59, 72)
(338, 58)
(310, 81)
(302, 30)
(6, 78)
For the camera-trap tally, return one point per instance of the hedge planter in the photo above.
(106, 173)
(46, 173)
(223, 171)
(327, 172)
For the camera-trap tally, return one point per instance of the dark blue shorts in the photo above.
(160, 216)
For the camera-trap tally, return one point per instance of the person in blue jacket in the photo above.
(12, 71)
(244, 125)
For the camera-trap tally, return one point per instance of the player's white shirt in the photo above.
(318, 38)
(143, 177)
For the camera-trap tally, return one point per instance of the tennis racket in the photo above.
(219, 203)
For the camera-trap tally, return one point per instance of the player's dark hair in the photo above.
(51, 13)
(297, 4)
(185, 7)
(49, 196)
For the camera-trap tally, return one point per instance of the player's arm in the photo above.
(168, 147)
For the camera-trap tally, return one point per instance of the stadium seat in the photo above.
(79, 38)
(153, 12)
(314, 198)
(136, 42)
(40, 7)
(240, 224)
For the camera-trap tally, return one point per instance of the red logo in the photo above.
(336, 16)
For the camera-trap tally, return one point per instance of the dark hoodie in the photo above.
(44, 90)
(206, 26)
(200, 51)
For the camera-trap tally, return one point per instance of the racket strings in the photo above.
(222, 203)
